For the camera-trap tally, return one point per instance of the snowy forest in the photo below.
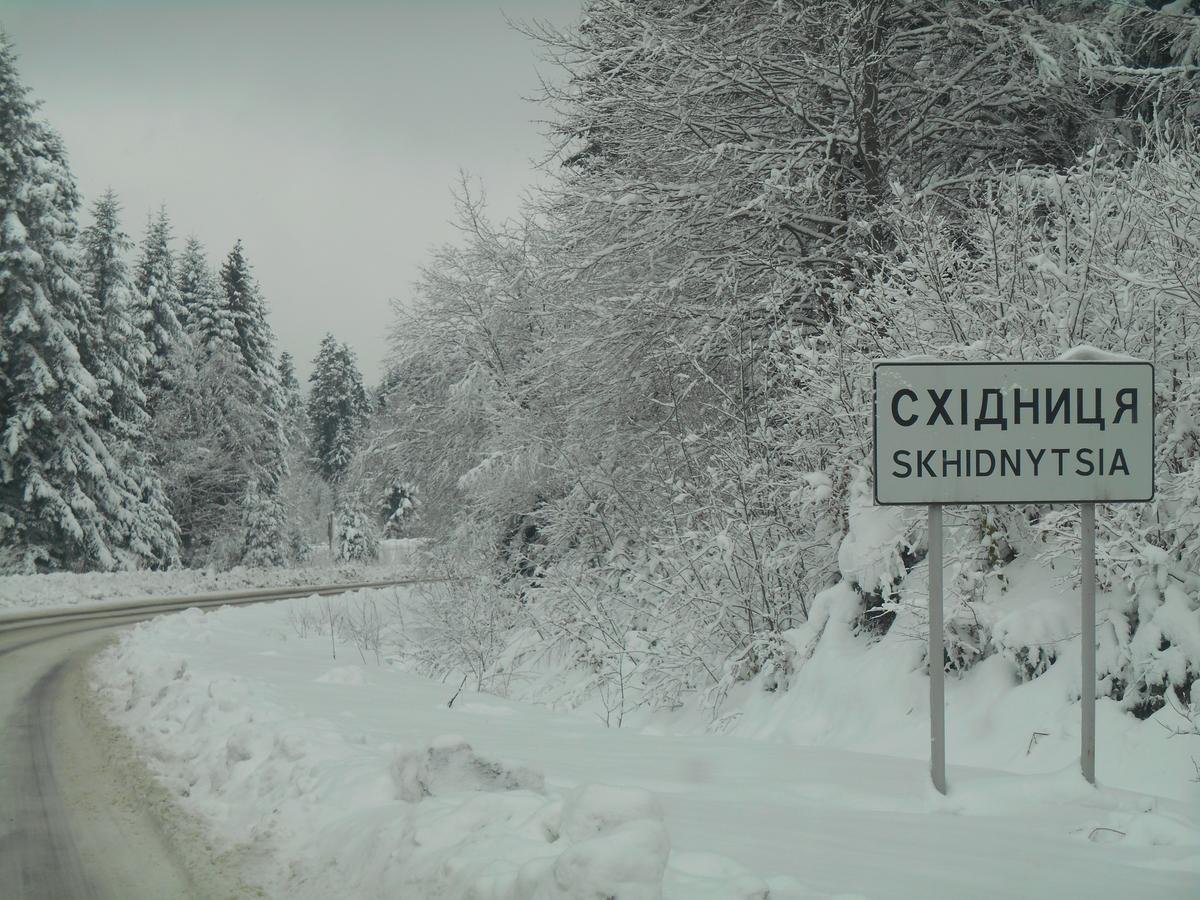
(148, 422)
(644, 407)
(637, 416)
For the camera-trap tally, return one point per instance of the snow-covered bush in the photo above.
(354, 537)
(401, 507)
(460, 627)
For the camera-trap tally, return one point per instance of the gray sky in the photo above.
(326, 135)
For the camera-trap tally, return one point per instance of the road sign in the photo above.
(1014, 432)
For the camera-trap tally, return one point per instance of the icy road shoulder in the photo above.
(353, 780)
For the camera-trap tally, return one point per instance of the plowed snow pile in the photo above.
(346, 778)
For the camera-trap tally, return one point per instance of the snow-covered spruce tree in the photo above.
(263, 521)
(354, 535)
(117, 356)
(162, 307)
(209, 431)
(308, 500)
(198, 294)
(400, 507)
(200, 427)
(293, 403)
(383, 391)
(244, 306)
(222, 430)
(255, 345)
(123, 352)
(65, 501)
(338, 408)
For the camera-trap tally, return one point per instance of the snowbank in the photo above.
(872, 696)
(69, 589)
(400, 810)
(343, 777)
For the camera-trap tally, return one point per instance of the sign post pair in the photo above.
(1013, 432)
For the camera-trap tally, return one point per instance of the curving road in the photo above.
(77, 819)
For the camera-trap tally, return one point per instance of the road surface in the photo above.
(78, 816)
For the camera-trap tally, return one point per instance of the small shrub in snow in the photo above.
(770, 658)
(354, 536)
(459, 627)
(364, 623)
(400, 508)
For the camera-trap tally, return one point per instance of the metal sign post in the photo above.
(1087, 641)
(937, 654)
(1079, 431)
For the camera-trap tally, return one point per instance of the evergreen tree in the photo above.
(199, 297)
(254, 344)
(354, 535)
(117, 357)
(400, 508)
(201, 427)
(246, 313)
(263, 522)
(337, 409)
(162, 309)
(293, 403)
(253, 347)
(124, 352)
(65, 500)
(387, 386)
(308, 500)
(223, 433)
(208, 433)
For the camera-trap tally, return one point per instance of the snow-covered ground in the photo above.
(70, 589)
(344, 777)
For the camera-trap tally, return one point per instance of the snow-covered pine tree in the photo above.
(387, 386)
(221, 433)
(117, 355)
(244, 306)
(263, 524)
(293, 403)
(307, 500)
(254, 341)
(354, 535)
(400, 508)
(200, 309)
(255, 344)
(120, 358)
(65, 501)
(208, 432)
(338, 408)
(200, 448)
(162, 307)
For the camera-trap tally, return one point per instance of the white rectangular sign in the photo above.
(1014, 432)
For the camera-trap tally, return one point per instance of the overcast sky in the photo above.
(326, 135)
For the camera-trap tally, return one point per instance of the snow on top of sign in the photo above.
(1088, 353)
(915, 357)
(1079, 353)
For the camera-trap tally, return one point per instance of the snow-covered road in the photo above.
(74, 824)
(302, 757)
(76, 818)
